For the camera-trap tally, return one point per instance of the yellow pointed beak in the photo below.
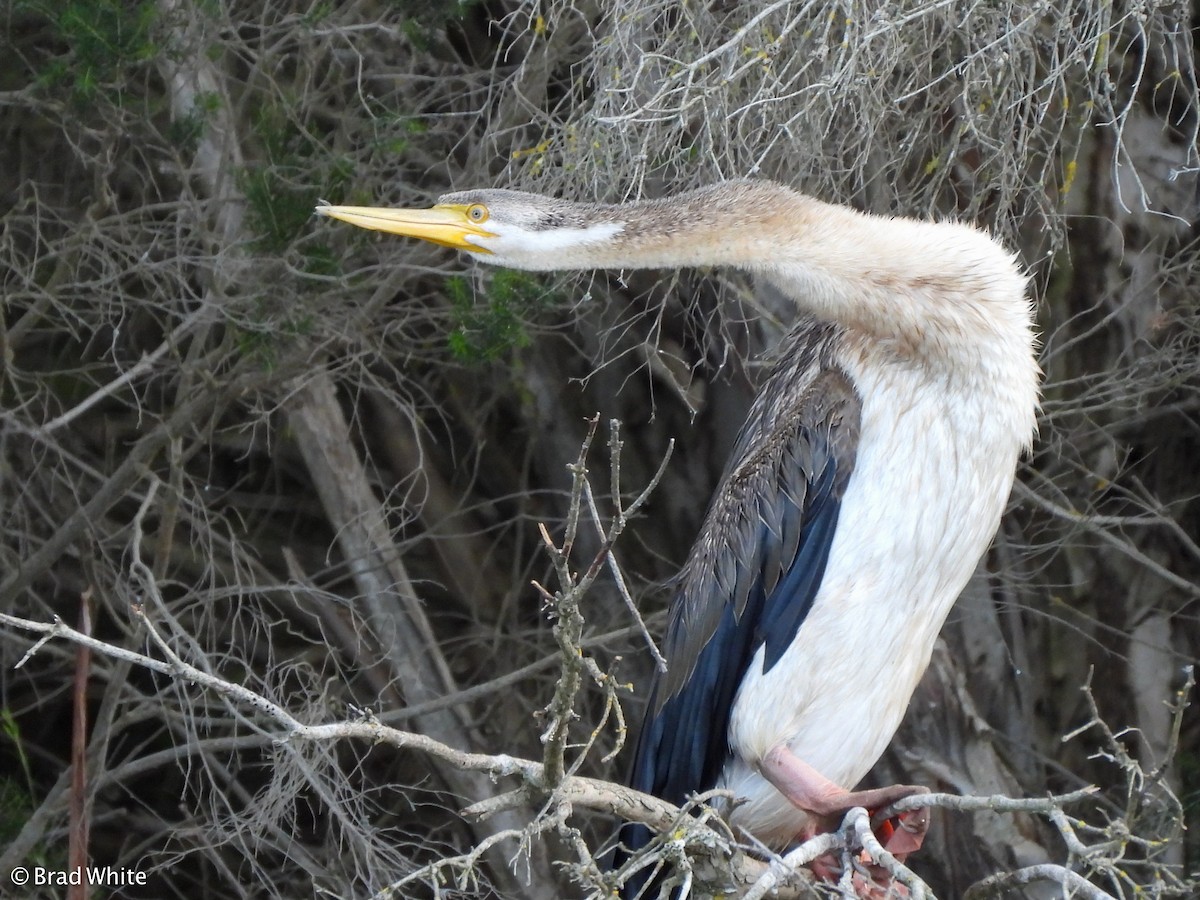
(449, 225)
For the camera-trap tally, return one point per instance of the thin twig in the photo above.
(994, 802)
(1001, 884)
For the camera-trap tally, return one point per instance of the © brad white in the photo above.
(96, 876)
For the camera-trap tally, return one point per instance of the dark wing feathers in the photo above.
(756, 566)
(792, 598)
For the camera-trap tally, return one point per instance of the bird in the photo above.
(862, 492)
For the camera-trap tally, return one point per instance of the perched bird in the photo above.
(864, 487)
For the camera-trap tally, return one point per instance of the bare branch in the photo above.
(1000, 885)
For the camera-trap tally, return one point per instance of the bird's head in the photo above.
(504, 228)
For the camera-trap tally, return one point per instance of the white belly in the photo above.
(930, 482)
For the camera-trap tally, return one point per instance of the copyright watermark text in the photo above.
(96, 876)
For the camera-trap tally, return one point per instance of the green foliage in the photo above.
(101, 37)
(318, 13)
(16, 794)
(16, 806)
(18, 800)
(278, 210)
(425, 21)
(397, 132)
(282, 190)
(487, 331)
(322, 259)
(8, 725)
(185, 132)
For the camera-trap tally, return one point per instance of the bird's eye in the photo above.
(477, 212)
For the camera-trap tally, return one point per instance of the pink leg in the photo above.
(812, 792)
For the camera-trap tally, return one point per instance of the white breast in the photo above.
(934, 469)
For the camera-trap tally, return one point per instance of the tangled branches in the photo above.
(549, 794)
(983, 109)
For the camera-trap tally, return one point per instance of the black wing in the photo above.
(751, 577)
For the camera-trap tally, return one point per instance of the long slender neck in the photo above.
(940, 293)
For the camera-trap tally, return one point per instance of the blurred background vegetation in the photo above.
(185, 352)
